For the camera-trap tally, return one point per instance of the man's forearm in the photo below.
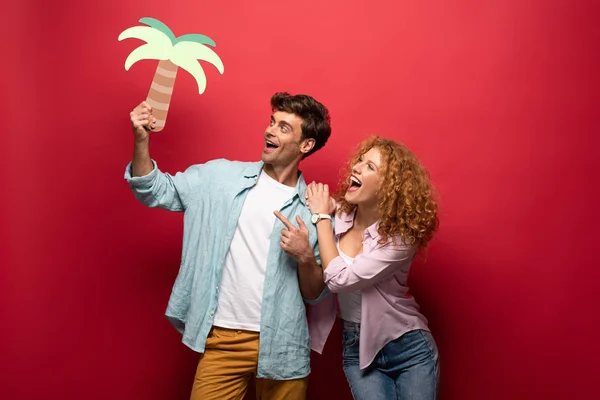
(326, 240)
(310, 277)
(141, 164)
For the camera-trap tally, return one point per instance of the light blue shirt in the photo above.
(211, 196)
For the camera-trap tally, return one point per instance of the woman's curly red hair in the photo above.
(406, 197)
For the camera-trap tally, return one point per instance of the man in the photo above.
(236, 297)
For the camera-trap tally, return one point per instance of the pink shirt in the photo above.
(380, 272)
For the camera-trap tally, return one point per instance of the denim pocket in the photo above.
(430, 342)
(349, 338)
(350, 347)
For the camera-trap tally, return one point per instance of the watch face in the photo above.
(314, 218)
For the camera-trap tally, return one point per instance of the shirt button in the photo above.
(212, 313)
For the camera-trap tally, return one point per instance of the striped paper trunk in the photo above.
(160, 92)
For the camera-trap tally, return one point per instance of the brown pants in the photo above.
(229, 361)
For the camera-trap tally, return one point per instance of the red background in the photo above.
(498, 98)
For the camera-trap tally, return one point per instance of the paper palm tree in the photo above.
(173, 53)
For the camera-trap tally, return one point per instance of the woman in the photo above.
(385, 215)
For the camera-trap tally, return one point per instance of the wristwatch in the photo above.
(316, 217)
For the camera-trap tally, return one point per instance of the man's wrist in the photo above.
(141, 141)
(307, 259)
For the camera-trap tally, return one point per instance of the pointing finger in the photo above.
(285, 221)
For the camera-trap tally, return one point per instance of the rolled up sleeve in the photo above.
(367, 269)
(158, 189)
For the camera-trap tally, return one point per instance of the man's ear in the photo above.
(307, 145)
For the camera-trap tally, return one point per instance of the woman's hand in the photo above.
(318, 199)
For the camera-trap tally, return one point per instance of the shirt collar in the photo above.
(301, 188)
(345, 222)
(253, 170)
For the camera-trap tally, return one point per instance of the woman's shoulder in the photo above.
(395, 243)
(342, 219)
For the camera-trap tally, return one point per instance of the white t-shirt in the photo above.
(241, 289)
(350, 303)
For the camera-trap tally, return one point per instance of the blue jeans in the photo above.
(406, 368)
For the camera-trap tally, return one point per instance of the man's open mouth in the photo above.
(270, 145)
